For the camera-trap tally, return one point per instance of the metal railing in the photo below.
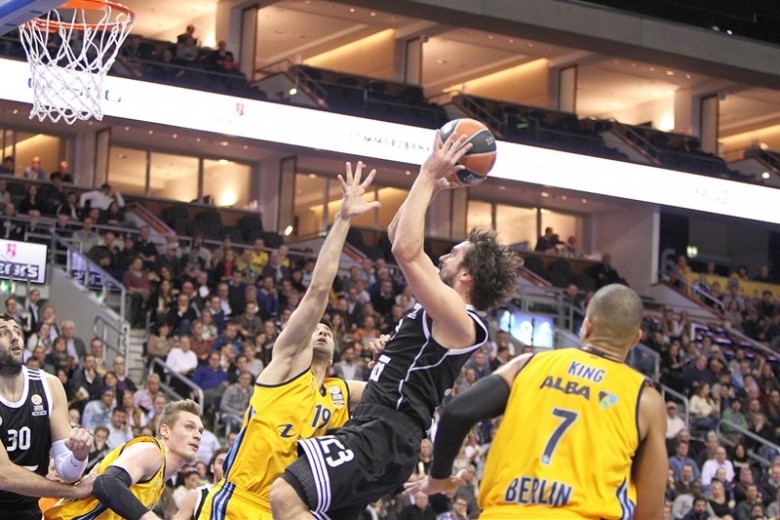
(165, 383)
(772, 450)
(681, 398)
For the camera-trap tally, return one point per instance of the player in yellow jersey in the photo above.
(292, 398)
(582, 434)
(131, 478)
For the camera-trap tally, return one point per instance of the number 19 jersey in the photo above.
(566, 441)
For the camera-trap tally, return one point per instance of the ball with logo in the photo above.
(482, 156)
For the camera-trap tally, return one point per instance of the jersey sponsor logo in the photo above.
(531, 490)
(567, 387)
(606, 400)
(584, 371)
(286, 431)
(337, 396)
(36, 399)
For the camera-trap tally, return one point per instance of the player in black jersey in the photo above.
(33, 424)
(336, 476)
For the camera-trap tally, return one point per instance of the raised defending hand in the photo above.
(352, 203)
(430, 486)
(445, 157)
(80, 442)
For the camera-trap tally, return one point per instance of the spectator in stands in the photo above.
(418, 509)
(275, 269)
(99, 447)
(159, 345)
(34, 171)
(145, 247)
(253, 363)
(181, 359)
(75, 345)
(235, 400)
(101, 198)
(5, 195)
(119, 431)
(136, 418)
(188, 33)
(31, 200)
(711, 466)
(684, 484)
(7, 167)
(87, 237)
(11, 229)
(181, 315)
(681, 458)
(547, 242)
(129, 60)
(85, 382)
(53, 195)
(223, 270)
(773, 509)
(201, 341)
(160, 302)
(767, 308)
(69, 208)
(259, 257)
(137, 284)
(699, 373)
(58, 358)
(97, 412)
(221, 59)
(719, 501)
(251, 324)
(123, 383)
(764, 275)
(349, 367)
(229, 337)
(744, 509)
(146, 396)
(212, 379)
(63, 172)
(113, 215)
(674, 423)
(704, 411)
(770, 483)
(604, 273)
(35, 227)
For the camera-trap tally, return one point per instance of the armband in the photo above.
(68, 467)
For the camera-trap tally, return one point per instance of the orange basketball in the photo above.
(480, 159)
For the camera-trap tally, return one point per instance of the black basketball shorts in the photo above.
(337, 476)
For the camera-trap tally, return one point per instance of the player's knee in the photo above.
(283, 497)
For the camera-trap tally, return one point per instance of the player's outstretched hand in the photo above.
(80, 442)
(376, 346)
(352, 203)
(431, 486)
(445, 157)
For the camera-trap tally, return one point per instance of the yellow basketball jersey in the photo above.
(276, 418)
(332, 408)
(148, 493)
(566, 441)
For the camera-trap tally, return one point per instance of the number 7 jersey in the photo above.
(566, 442)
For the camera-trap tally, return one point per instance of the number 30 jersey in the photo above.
(26, 434)
(566, 441)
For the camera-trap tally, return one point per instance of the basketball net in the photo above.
(70, 50)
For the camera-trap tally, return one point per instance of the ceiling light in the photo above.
(312, 175)
(728, 31)
(373, 13)
(127, 129)
(765, 175)
(223, 162)
(670, 73)
(511, 40)
(545, 194)
(584, 201)
(246, 147)
(150, 132)
(288, 230)
(175, 136)
(564, 197)
(502, 188)
(687, 76)
(652, 69)
(407, 172)
(351, 9)
(490, 36)
(441, 62)
(292, 91)
(197, 139)
(224, 143)
(16, 110)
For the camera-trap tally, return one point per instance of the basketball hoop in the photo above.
(70, 50)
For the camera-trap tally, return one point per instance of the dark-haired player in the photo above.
(337, 476)
(292, 398)
(34, 425)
